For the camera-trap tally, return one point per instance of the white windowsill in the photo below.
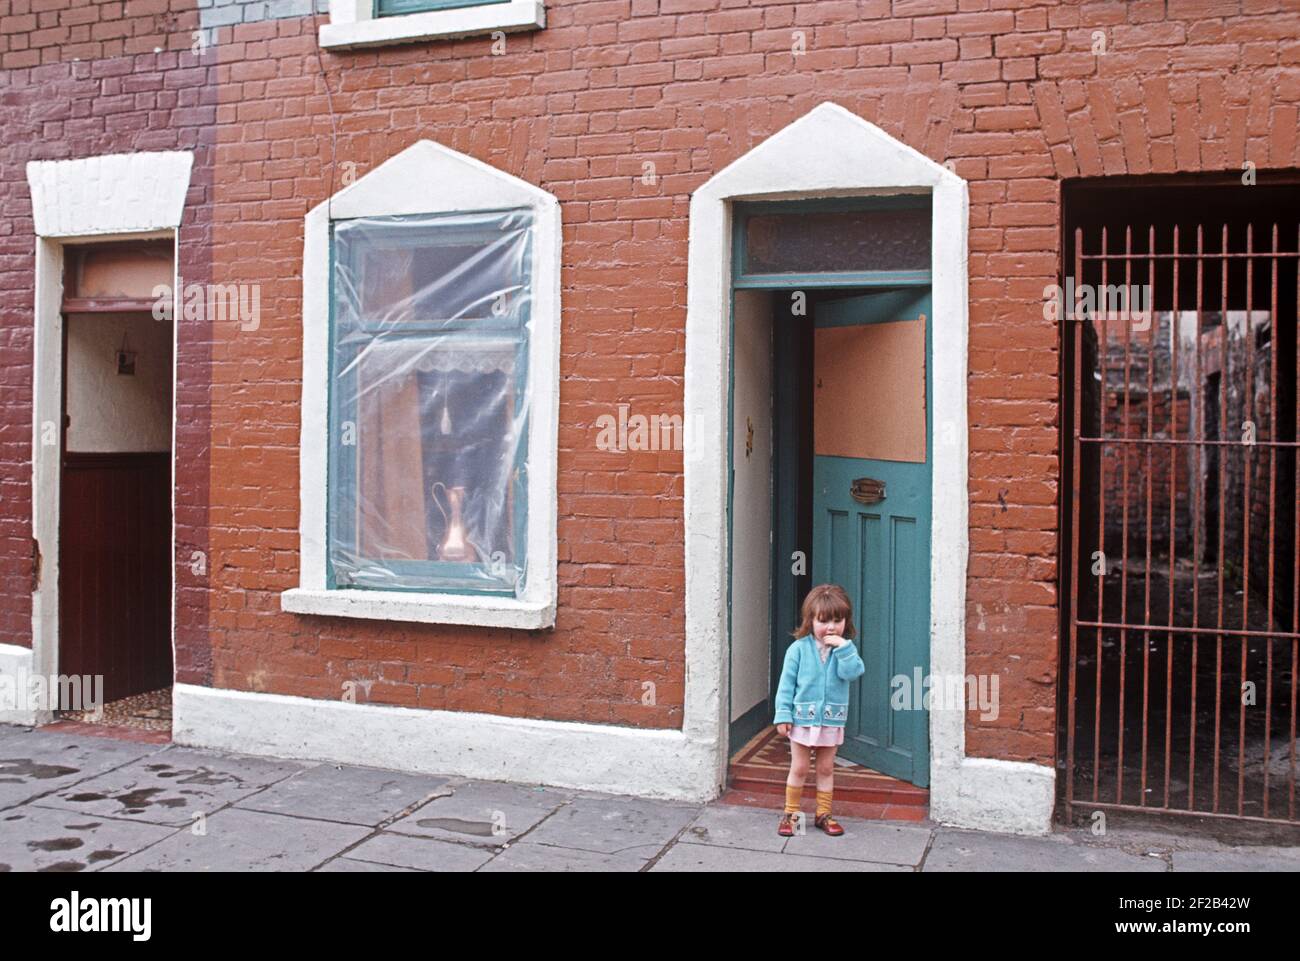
(473, 610)
(353, 30)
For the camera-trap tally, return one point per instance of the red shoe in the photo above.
(785, 827)
(829, 825)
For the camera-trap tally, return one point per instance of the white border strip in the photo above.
(646, 762)
(15, 663)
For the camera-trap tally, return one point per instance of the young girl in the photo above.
(812, 700)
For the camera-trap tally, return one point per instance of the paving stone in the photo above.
(733, 826)
(864, 841)
(82, 803)
(487, 813)
(171, 786)
(707, 857)
(958, 850)
(351, 795)
(44, 839)
(526, 855)
(611, 824)
(347, 865)
(1269, 859)
(421, 854)
(41, 763)
(238, 840)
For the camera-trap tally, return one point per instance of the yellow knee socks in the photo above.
(792, 794)
(823, 802)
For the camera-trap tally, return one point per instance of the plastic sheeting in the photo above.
(429, 402)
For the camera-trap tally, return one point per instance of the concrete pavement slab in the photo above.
(40, 762)
(236, 840)
(171, 786)
(960, 850)
(864, 841)
(707, 857)
(527, 855)
(350, 795)
(421, 854)
(1270, 859)
(44, 839)
(733, 826)
(348, 866)
(611, 824)
(487, 813)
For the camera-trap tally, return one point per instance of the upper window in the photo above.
(390, 8)
(367, 23)
(877, 238)
(430, 396)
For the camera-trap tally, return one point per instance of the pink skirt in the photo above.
(819, 736)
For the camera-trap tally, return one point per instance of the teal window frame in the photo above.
(341, 460)
(397, 8)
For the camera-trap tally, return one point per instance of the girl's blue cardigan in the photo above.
(812, 693)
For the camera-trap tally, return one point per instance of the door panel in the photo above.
(879, 553)
(114, 571)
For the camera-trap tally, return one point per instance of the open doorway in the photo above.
(115, 513)
(830, 481)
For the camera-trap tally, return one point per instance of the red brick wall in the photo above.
(35, 32)
(1009, 92)
(75, 109)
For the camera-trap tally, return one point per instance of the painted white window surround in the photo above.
(353, 23)
(428, 178)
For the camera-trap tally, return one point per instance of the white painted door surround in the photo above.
(129, 196)
(830, 152)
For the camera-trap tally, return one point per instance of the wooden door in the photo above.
(871, 414)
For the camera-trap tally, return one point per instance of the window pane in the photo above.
(389, 8)
(428, 402)
(393, 272)
(815, 242)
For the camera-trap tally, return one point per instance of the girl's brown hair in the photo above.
(826, 602)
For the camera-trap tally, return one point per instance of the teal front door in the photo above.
(872, 403)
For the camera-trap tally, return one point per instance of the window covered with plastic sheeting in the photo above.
(429, 401)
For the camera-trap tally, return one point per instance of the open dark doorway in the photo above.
(115, 512)
(1180, 615)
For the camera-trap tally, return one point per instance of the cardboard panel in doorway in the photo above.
(869, 399)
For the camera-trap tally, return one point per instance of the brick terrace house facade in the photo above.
(591, 163)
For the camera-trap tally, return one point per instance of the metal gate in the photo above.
(1184, 573)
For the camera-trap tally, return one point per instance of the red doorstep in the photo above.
(756, 778)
